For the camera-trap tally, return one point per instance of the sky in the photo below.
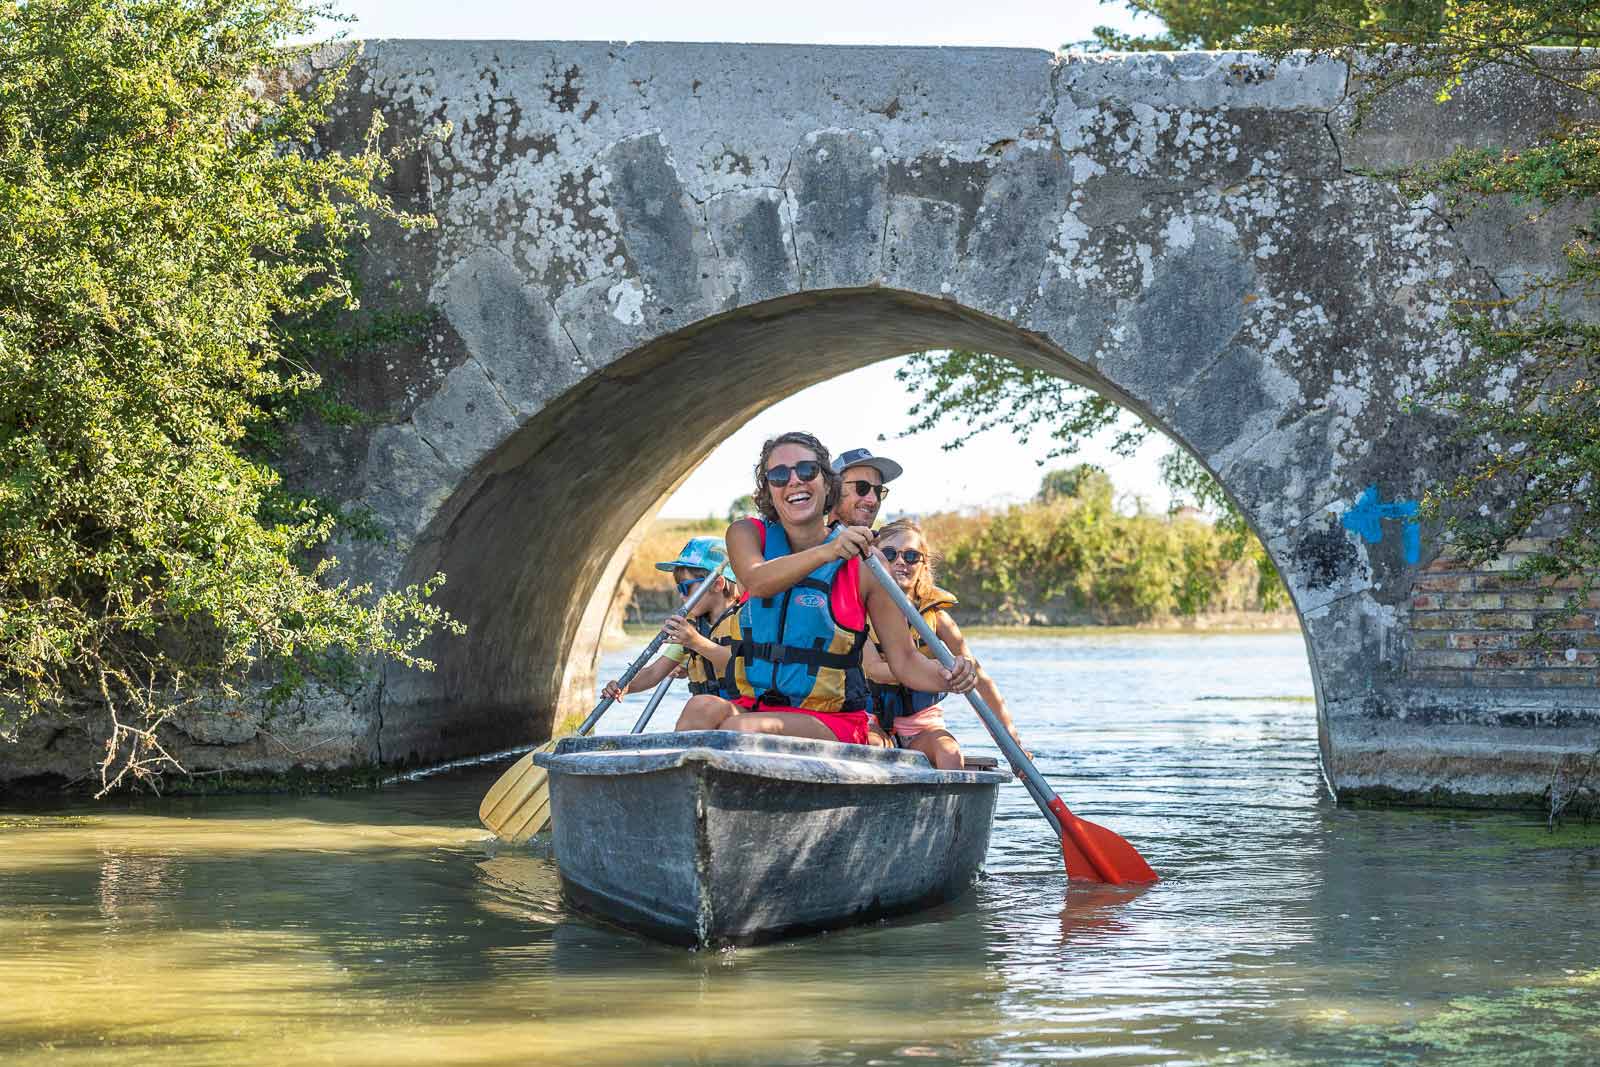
(997, 23)
(990, 471)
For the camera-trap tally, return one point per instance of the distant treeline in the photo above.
(1067, 558)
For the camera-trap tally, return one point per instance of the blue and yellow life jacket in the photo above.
(890, 702)
(703, 677)
(792, 650)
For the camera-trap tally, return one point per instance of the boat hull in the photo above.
(714, 838)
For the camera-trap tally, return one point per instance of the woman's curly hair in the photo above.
(763, 493)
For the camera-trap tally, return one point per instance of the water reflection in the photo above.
(1092, 913)
(385, 928)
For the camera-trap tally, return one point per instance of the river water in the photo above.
(384, 928)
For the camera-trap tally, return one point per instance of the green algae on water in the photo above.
(1552, 1023)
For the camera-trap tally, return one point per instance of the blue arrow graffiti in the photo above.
(1366, 519)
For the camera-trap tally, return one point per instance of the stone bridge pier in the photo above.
(642, 246)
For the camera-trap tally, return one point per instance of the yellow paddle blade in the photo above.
(518, 805)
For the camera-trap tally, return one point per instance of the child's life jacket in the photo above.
(890, 702)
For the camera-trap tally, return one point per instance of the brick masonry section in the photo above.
(1474, 627)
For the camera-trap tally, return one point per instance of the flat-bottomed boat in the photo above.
(713, 837)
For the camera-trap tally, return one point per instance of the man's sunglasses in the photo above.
(805, 470)
(687, 587)
(864, 487)
(910, 555)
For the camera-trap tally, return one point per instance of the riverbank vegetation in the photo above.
(1069, 557)
(167, 229)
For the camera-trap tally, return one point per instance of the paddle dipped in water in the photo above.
(1090, 851)
(518, 805)
(655, 702)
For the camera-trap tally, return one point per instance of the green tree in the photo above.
(1072, 557)
(1227, 23)
(164, 216)
(741, 507)
(1083, 480)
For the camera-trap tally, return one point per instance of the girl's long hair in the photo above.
(763, 493)
(923, 584)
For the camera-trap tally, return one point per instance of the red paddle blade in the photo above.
(1095, 854)
(1079, 869)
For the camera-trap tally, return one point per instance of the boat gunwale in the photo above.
(761, 756)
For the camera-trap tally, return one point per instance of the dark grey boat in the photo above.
(714, 837)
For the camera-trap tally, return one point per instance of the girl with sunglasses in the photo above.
(909, 714)
(700, 641)
(803, 623)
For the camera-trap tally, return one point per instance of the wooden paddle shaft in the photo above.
(655, 702)
(649, 650)
(1040, 789)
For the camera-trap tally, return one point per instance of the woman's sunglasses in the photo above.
(910, 555)
(805, 470)
(864, 488)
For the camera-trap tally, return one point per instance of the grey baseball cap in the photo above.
(860, 457)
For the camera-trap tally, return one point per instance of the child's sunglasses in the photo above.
(910, 555)
(805, 470)
(687, 587)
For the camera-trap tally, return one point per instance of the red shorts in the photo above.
(848, 726)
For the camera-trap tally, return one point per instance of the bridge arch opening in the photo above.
(535, 539)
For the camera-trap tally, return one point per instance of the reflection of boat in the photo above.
(717, 837)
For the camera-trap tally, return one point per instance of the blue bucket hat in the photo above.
(700, 553)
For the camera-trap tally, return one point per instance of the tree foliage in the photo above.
(163, 217)
(1227, 23)
(1073, 557)
(1084, 480)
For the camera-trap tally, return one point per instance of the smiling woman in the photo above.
(798, 640)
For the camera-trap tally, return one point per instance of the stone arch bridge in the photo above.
(641, 246)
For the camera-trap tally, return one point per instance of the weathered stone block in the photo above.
(753, 232)
(839, 183)
(509, 330)
(1444, 660)
(1410, 126)
(664, 233)
(466, 419)
(1203, 80)
(921, 242)
(1006, 246)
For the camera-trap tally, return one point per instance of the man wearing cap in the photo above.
(700, 641)
(865, 477)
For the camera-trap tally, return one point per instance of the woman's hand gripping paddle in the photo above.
(518, 805)
(1092, 853)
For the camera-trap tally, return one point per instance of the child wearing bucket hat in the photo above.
(700, 641)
